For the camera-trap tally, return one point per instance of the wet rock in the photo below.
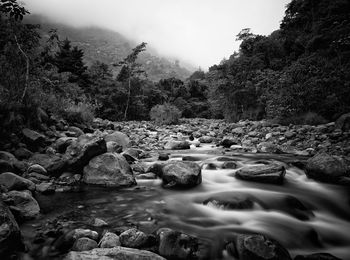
(115, 253)
(146, 176)
(176, 245)
(109, 169)
(84, 244)
(33, 138)
(133, 238)
(10, 234)
(327, 168)
(81, 151)
(163, 157)
(221, 201)
(181, 174)
(229, 165)
(114, 147)
(23, 153)
(317, 256)
(14, 182)
(206, 139)
(177, 145)
(53, 164)
(228, 142)
(24, 204)
(118, 137)
(109, 240)
(271, 173)
(46, 188)
(132, 154)
(256, 247)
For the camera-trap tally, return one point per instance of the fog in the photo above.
(201, 32)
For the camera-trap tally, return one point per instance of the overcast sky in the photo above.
(201, 32)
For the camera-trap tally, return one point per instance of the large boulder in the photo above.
(176, 245)
(54, 164)
(109, 169)
(14, 182)
(181, 174)
(118, 137)
(133, 238)
(325, 167)
(109, 240)
(270, 173)
(115, 253)
(177, 145)
(25, 206)
(82, 150)
(10, 234)
(62, 143)
(33, 138)
(256, 247)
(343, 122)
(84, 244)
(9, 163)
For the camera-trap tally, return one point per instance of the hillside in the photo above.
(110, 47)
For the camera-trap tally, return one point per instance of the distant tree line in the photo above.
(303, 67)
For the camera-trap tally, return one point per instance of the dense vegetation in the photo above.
(299, 72)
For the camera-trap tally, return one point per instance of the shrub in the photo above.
(309, 118)
(81, 113)
(165, 114)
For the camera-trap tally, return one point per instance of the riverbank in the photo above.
(128, 158)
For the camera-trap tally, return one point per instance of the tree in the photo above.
(131, 69)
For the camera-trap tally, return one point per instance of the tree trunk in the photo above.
(128, 100)
(27, 70)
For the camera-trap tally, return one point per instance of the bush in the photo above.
(81, 113)
(165, 114)
(310, 118)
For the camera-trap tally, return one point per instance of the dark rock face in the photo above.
(115, 253)
(176, 245)
(10, 235)
(177, 145)
(52, 163)
(343, 122)
(33, 138)
(181, 174)
(257, 247)
(271, 173)
(328, 168)
(14, 182)
(109, 169)
(81, 151)
(317, 256)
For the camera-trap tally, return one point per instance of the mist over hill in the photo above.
(110, 47)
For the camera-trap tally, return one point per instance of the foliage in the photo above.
(165, 114)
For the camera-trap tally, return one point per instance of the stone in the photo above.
(226, 202)
(84, 244)
(163, 157)
(317, 256)
(133, 238)
(81, 151)
(62, 143)
(52, 163)
(37, 168)
(10, 234)
(118, 137)
(33, 138)
(14, 182)
(114, 147)
(9, 163)
(25, 205)
(229, 165)
(327, 168)
(109, 240)
(271, 173)
(256, 247)
(206, 139)
(177, 145)
(343, 122)
(181, 174)
(176, 245)
(267, 147)
(79, 233)
(228, 142)
(46, 188)
(97, 222)
(109, 169)
(75, 130)
(115, 253)
(22, 153)
(146, 176)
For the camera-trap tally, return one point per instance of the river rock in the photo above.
(52, 163)
(206, 139)
(62, 143)
(177, 145)
(14, 182)
(109, 240)
(75, 130)
(109, 169)
(133, 238)
(176, 245)
(114, 147)
(343, 122)
(181, 174)
(24, 204)
(327, 168)
(84, 244)
(256, 247)
(9, 163)
(45, 188)
(118, 137)
(317, 256)
(10, 234)
(115, 253)
(37, 168)
(33, 138)
(229, 201)
(81, 151)
(23, 153)
(270, 173)
(227, 142)
(267, 147)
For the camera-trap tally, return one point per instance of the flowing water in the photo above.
(305, 216)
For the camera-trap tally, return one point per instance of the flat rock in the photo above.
(270, 173)
(14, 182)
(177, 145)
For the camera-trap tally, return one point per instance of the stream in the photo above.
(305, 216)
